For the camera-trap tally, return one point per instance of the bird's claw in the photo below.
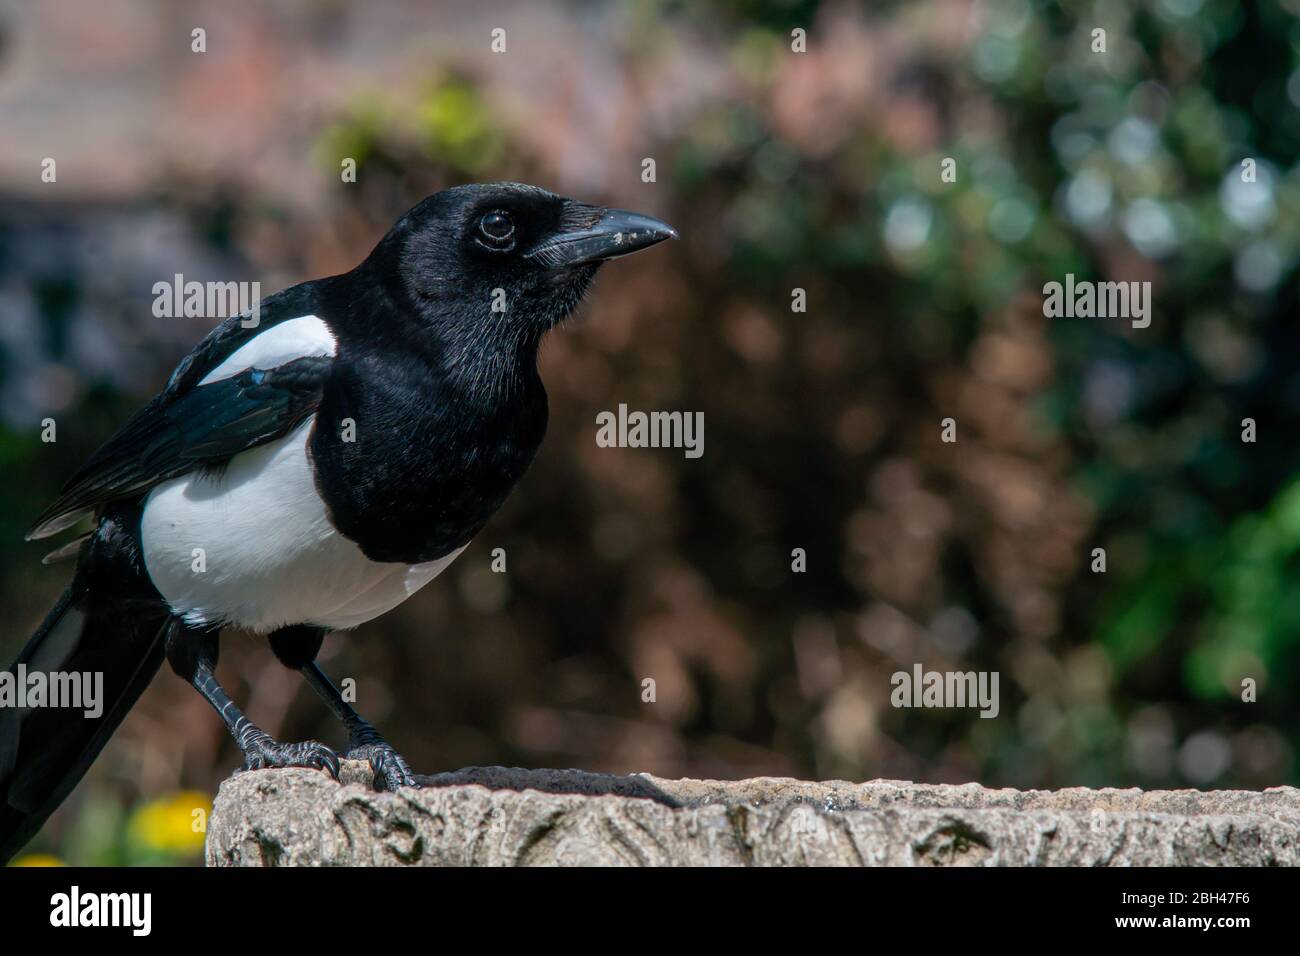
(390, 769)
(263, 754)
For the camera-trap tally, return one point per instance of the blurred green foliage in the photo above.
(161, 832)
(452, 127)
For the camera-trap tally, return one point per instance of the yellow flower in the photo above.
(38, 859)
(176, 824)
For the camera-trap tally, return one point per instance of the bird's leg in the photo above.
(192, 653)
(297, 647)
(364, 743)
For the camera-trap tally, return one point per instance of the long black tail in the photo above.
(110, 622)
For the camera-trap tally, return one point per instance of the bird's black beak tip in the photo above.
(633, 231)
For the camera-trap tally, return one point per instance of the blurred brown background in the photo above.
(782, 170)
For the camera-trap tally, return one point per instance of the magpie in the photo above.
(309, 466)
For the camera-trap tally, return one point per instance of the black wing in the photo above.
(186, 428)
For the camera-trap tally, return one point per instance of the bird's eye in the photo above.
(496, 230)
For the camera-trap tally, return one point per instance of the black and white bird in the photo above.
(308, 473)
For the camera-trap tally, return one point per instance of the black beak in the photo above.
(615, 233)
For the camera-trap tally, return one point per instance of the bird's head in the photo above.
(506, 261)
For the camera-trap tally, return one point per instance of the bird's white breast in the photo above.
(252, 546)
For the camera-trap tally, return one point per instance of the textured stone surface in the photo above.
(501, 817)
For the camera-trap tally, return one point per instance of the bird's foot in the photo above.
(263, 751)
(389, 767)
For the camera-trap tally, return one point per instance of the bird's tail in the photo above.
(105, 636)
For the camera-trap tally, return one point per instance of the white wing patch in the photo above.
(283, 342)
